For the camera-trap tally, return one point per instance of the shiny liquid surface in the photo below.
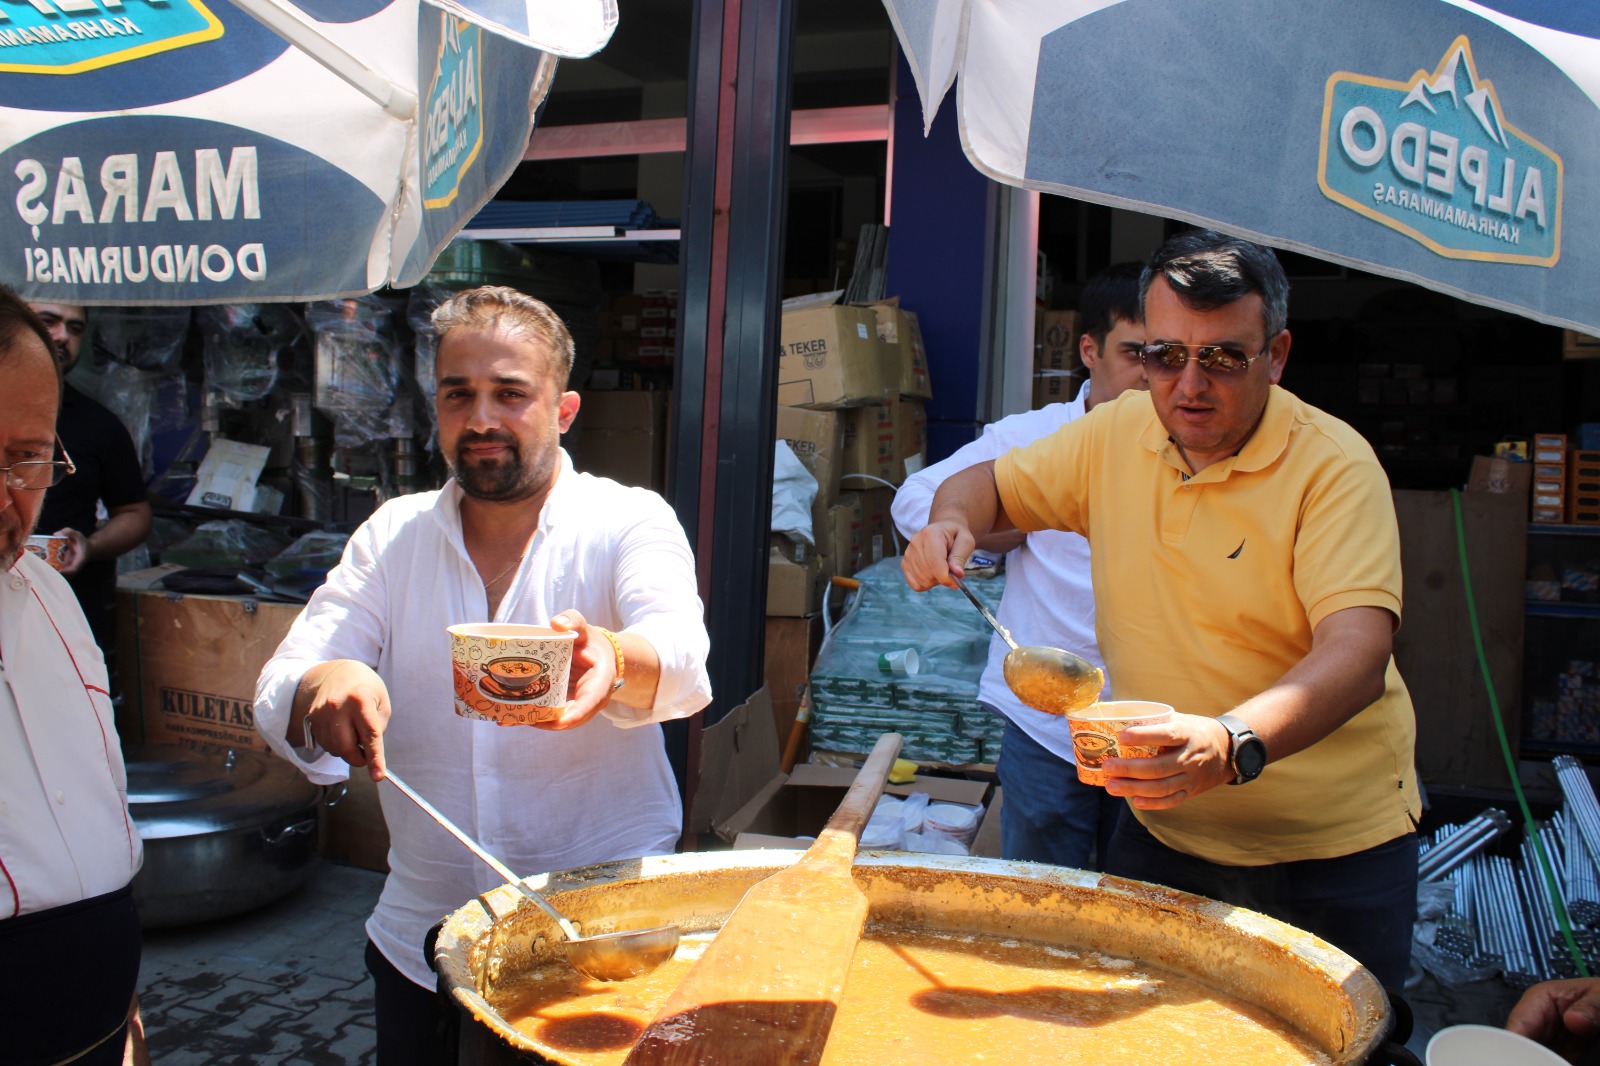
(944, 999)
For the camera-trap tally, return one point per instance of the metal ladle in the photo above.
(604, 957)
(1047, 679)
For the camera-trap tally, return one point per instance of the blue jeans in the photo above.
(1048, 815)
(1363, 903)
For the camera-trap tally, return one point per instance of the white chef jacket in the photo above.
(537, 799)
(1049, 597)
(65, 831)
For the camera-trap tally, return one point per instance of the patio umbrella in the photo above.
(1448, 143)
(207, 151)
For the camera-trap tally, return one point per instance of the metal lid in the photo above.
(176, 791)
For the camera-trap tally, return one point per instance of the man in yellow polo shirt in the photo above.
(1246, 567)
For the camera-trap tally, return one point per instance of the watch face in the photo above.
(1250, 758)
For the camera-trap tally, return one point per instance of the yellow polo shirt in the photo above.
(1207, 591)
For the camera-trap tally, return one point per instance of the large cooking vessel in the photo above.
(1325, 994)
(224, 830)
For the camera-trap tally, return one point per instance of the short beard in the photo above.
(503, 482)
(11, 549)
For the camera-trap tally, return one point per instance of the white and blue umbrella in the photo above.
(243, 151)
(1445, 142)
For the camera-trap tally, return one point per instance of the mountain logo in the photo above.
(1434, 158)
(75, 36)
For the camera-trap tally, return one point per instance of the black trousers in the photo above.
(1364, 904)
(415, 1026)
(67, 977)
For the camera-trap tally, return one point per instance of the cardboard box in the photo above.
(1575, 345)
(1504, 476)
(841, 537)
(794, 589)
(832, 358)
(817, 437)
(1055, 357)
(877, 523)
(791, 648)
(911, 437)
(746, 799)
(900, 330)
(872, 442)
(190, 662)
(623, 437)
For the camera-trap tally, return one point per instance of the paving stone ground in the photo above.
(286, 984)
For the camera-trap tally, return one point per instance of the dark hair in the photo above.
(496, 306)
(1109, 295)
(15, 316)
(1207, 269)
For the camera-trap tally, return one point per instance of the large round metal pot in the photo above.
(224, 831)
(1318, 990)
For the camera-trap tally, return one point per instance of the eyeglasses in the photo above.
(39, 474)
(1168, 357)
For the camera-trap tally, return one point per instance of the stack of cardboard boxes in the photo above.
(851, 386)
(852, 382)
(622, 428)
(1549, 477)
(1057, 371)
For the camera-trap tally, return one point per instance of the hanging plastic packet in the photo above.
(357, 366)
(241, 347)
(148, 338)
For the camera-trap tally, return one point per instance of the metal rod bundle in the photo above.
(1450, 851)
(1581, 818)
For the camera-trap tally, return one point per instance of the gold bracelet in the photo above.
(616, 646)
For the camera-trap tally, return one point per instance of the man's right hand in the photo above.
(347, 705)
(937, 555)
(1563, 1015)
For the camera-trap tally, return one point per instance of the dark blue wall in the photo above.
(938, 206)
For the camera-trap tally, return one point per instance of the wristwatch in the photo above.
(1247, 752)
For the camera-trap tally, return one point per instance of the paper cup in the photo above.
(510, 674)
(1484, 1045)
(52, 550)
(902, 662)
(1095, 729)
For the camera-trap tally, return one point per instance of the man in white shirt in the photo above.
(69, 936)
(517, 535)
(1049, 815)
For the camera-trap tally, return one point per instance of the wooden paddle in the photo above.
(767, 988)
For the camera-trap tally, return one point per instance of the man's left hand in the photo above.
(592, 676)
(1194, 758)
(76, 553)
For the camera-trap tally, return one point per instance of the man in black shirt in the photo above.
(108, 472)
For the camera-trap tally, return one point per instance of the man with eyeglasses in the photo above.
(69, 936)
(1246, 568)
(107, 473)
(1048, 815)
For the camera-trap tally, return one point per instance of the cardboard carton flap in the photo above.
(738, 761)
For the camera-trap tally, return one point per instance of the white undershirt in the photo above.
(537, 800)
(1049, 597)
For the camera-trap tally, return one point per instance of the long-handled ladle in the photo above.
(605, 957)
(1047, 679)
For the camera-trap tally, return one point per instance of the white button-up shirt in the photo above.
(1049, 597)
(65, 831)
(536, 799)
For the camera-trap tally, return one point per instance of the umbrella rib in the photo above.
(293, 26)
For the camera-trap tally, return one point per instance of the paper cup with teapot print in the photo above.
(52, 549)
(510, 674)
(1095, 729)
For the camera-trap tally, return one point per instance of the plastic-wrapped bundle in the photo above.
(227, 542)
(241, 346)
(148, 338)
(315, 553)
(855, 696)
(357, 366)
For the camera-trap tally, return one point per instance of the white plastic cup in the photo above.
(902, 662)
(1485, 1045)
